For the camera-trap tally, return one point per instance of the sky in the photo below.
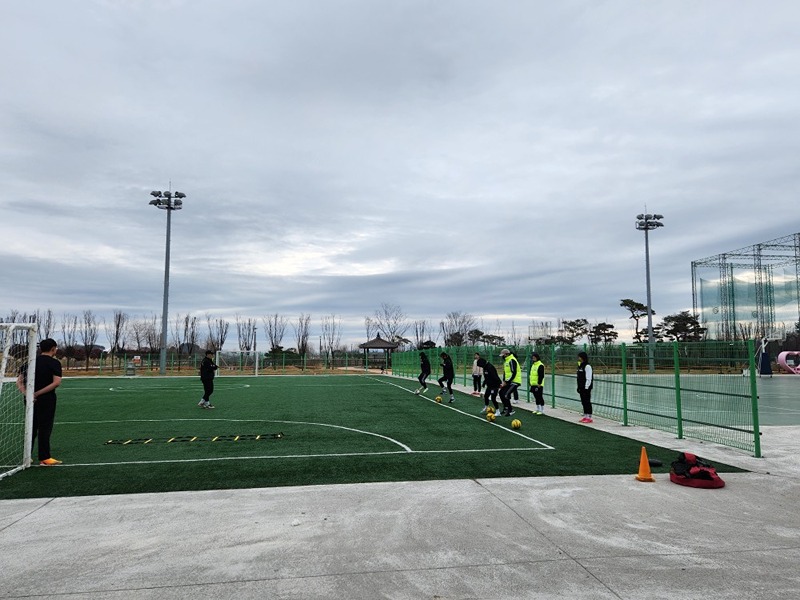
(486, 157)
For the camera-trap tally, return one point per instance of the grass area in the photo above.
(120, 436)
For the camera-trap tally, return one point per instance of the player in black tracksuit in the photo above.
(448, 375)
(207, 368)
(492, 382)
(424, 372)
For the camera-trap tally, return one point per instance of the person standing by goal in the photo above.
(207, 369)
(45, 381)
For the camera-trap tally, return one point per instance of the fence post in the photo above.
(624, 365)
(553, 375)
(678, 408)
(754, 399)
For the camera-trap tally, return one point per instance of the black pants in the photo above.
(586, 400)
(506, 393)
(208, 389)
(538, 394)
(449, 381)
(422, 377)
(476, 383)
(490, 394)
(44, 414)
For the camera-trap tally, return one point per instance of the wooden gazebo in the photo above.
(378, 344)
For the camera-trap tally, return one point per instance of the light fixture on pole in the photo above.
(648, 222)
(168, 201)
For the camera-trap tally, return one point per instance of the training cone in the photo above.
(644, 468)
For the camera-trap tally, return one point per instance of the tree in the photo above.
(683, 327)
(493, 340)
(602, 333)
(571, 331)
(422, 335)
(217, 333)
(455, 327)
(116, 332)
(88, 334)
(369, 327)
(331, 334)
(275, 326)
(390, 321)
(152, 333)
(246, 330)
(638, 311)
(45, 323)
(474, 336)
(137, 330)
(301, 332)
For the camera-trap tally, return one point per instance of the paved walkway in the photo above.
(570, 537)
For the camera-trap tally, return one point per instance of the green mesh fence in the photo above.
(704, 391)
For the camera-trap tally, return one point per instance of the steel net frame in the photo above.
(734, 293)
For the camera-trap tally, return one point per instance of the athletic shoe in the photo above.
(588, 421)
(483, 412)
(209, 405)
(511, 412)
(202, 403)
(416, 392)
(538, 412)
(49, 462)
(452, 399)
(584, 420)
(423, 391)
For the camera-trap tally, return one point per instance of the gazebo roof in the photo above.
(378, 344)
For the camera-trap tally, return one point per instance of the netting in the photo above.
(17, 353)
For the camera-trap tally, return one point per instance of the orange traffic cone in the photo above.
(644, 468)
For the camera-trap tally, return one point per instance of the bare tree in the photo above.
(217, 333)
(331, 334)
(44, 323)
(137, 329)
(69, 335)
(275, 326)
(369, 327)
(116, 332)
(301, 332)
(391, 321)
(88, 334)
(246, 330)
(456, 327)
(152, 333)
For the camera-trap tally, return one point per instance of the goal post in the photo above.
(17, 354)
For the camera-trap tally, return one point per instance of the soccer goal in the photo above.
(238, 361)
(17, 353)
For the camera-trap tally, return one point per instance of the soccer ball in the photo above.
(438, 398)
(516, 424)
(490, 417)
(490, 409)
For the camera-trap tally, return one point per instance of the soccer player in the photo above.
(512, 379)
(207, 368)
(46, 379)
(448, 375)
(585, 386)
(536, 381)
(424, 373)
(492, 382)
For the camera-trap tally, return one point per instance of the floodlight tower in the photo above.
(167, 201)
(648, 222)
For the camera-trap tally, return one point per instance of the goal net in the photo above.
(17, 353)
(238, 361)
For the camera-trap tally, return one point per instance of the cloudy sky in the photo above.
(485, 156)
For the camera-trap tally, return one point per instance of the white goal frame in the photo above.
(7, 338)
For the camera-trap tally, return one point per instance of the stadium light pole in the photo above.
(167, 201)
(647, 222)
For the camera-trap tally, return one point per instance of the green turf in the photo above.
(334, 429)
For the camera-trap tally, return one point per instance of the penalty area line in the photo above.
(335, 455)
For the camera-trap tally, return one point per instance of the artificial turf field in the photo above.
(120, 436)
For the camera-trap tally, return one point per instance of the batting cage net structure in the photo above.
(749, 293)
(17, 355)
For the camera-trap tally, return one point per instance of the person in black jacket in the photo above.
(448, 375)
(424, 373)
(207, 368)
(585, 384)
(492, 382)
